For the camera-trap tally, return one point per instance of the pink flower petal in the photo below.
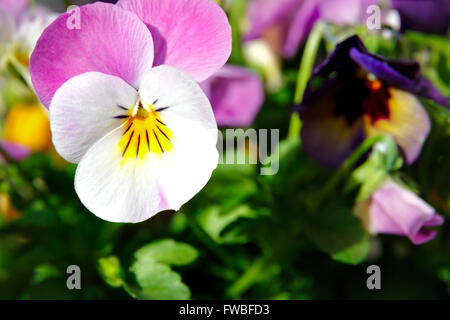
(192, 35)
(236, 95)
(292, 20)
(395, 210)
(110, 40)
(300, 27)
(266, 13)
(14, 150)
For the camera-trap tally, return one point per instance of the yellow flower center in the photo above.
(144, 133)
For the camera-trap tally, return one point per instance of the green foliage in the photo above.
(384, 158)
(214, 223)
(158, 281)
(111, 270)
(151, 269)
(169, 252)
(433, 53)
(44, 272)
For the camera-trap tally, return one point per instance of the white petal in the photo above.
(129, 185)
(83, 110)
(112, 191)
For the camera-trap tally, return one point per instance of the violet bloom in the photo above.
(431, 16)
(393, 209)
(236, 95)
(364, 95)
(14, 150)
(125, 104)
(292, 20)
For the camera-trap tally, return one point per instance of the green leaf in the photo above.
(433, 53)
(236, 15)
(231, 185)
(370, 185)
(168, 251)
(259, 271)
(444, 275)
(337, 231)
(214, 222)
(354, 254)
(158, 281)
(111, 271)
(383, 159)
(287, 153)
(44, 272)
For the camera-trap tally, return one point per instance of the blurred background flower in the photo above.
(424, 15)
(366, 96)
(23, 24)
(13, 150)
(286, 23)
(27, 124)
(236, 95)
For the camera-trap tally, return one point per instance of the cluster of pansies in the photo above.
(126, 105)
(366, 95)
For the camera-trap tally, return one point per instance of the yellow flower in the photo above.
(7, 211)
(28, 124)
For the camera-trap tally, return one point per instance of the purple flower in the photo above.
(292, 20)
(236, 95)
(125, 104)
(431, 16)
(14, 150)
(393, 209)
(364, 95)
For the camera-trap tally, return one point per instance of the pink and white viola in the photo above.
(125, 103)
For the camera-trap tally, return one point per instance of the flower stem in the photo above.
(334, 180)
(209, 243)
(304, 73)
(22, 70)
(246, 280)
